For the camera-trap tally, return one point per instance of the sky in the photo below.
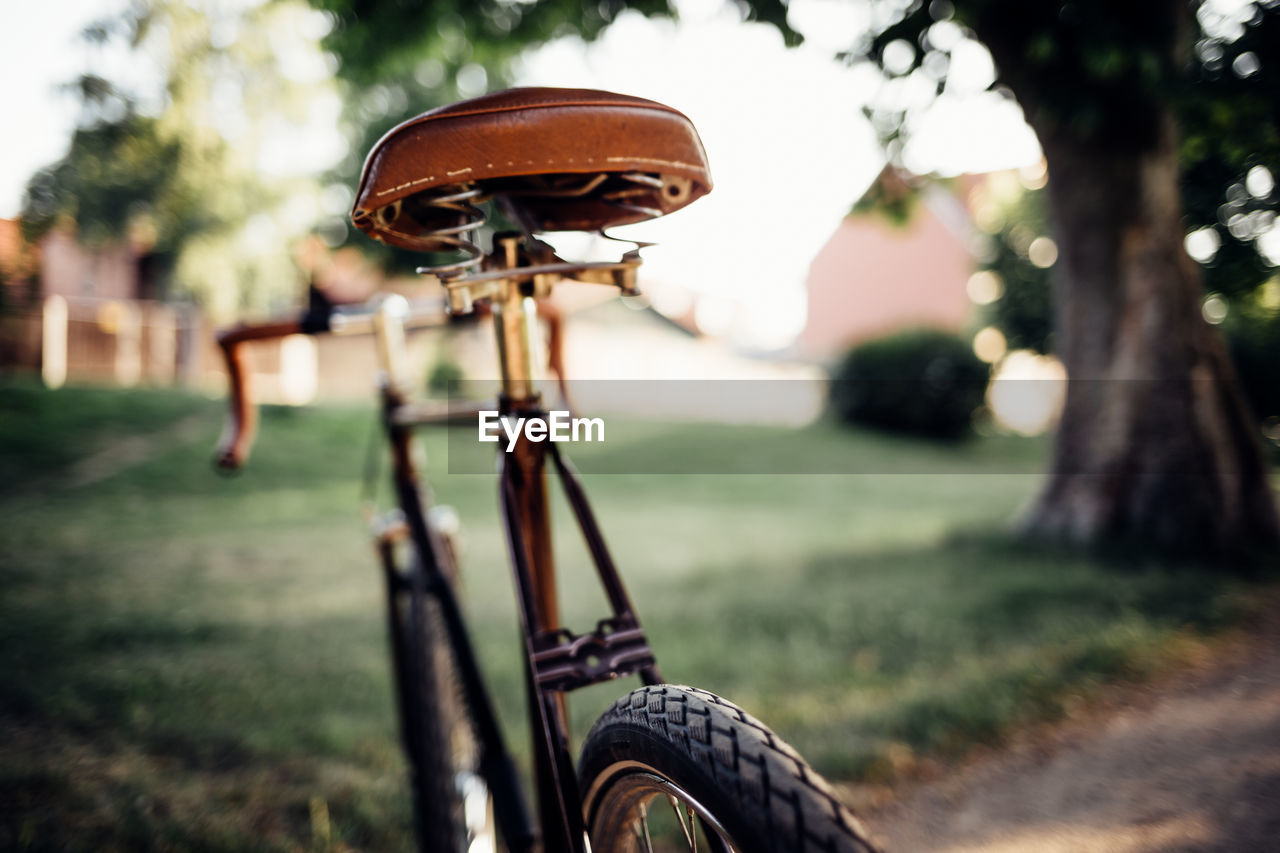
(39, 51)
(789, 148)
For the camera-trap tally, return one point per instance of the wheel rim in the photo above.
(633, 807)
(477, 813)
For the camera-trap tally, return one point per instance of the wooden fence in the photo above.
(122, 342)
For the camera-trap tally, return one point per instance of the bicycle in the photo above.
(555, 160)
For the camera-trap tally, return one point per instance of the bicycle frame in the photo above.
(557, 661)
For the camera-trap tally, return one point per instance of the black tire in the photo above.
(439, 741)
(749, 790)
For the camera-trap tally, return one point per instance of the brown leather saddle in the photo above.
(557, 159)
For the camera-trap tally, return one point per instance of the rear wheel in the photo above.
(676, 768)
(451, 802)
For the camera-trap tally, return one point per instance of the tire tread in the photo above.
(799, 810)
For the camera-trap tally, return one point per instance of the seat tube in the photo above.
(516, 328)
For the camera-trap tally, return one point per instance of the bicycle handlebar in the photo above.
(242, 419)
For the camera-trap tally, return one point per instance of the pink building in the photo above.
(71, 269)
(875, 275)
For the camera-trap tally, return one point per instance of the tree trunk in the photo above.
(1156, 446)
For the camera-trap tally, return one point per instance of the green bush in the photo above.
(442, 373)
(920, 381)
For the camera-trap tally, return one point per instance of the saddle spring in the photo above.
(453, 203)
(461, 237)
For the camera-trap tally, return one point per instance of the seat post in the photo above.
(515, 318)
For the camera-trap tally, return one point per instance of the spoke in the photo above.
(687, 828)
(693, 827)
(641, 828)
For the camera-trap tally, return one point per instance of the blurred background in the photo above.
(932, 215)
(180, 166)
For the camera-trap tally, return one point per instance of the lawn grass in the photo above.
(189, 662)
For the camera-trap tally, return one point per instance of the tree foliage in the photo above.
(381, 42)
(122, 170)
(1097, 69)
(1022, 308)
(1229, 118)
(176, 170)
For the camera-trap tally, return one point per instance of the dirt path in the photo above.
(1190, 764)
